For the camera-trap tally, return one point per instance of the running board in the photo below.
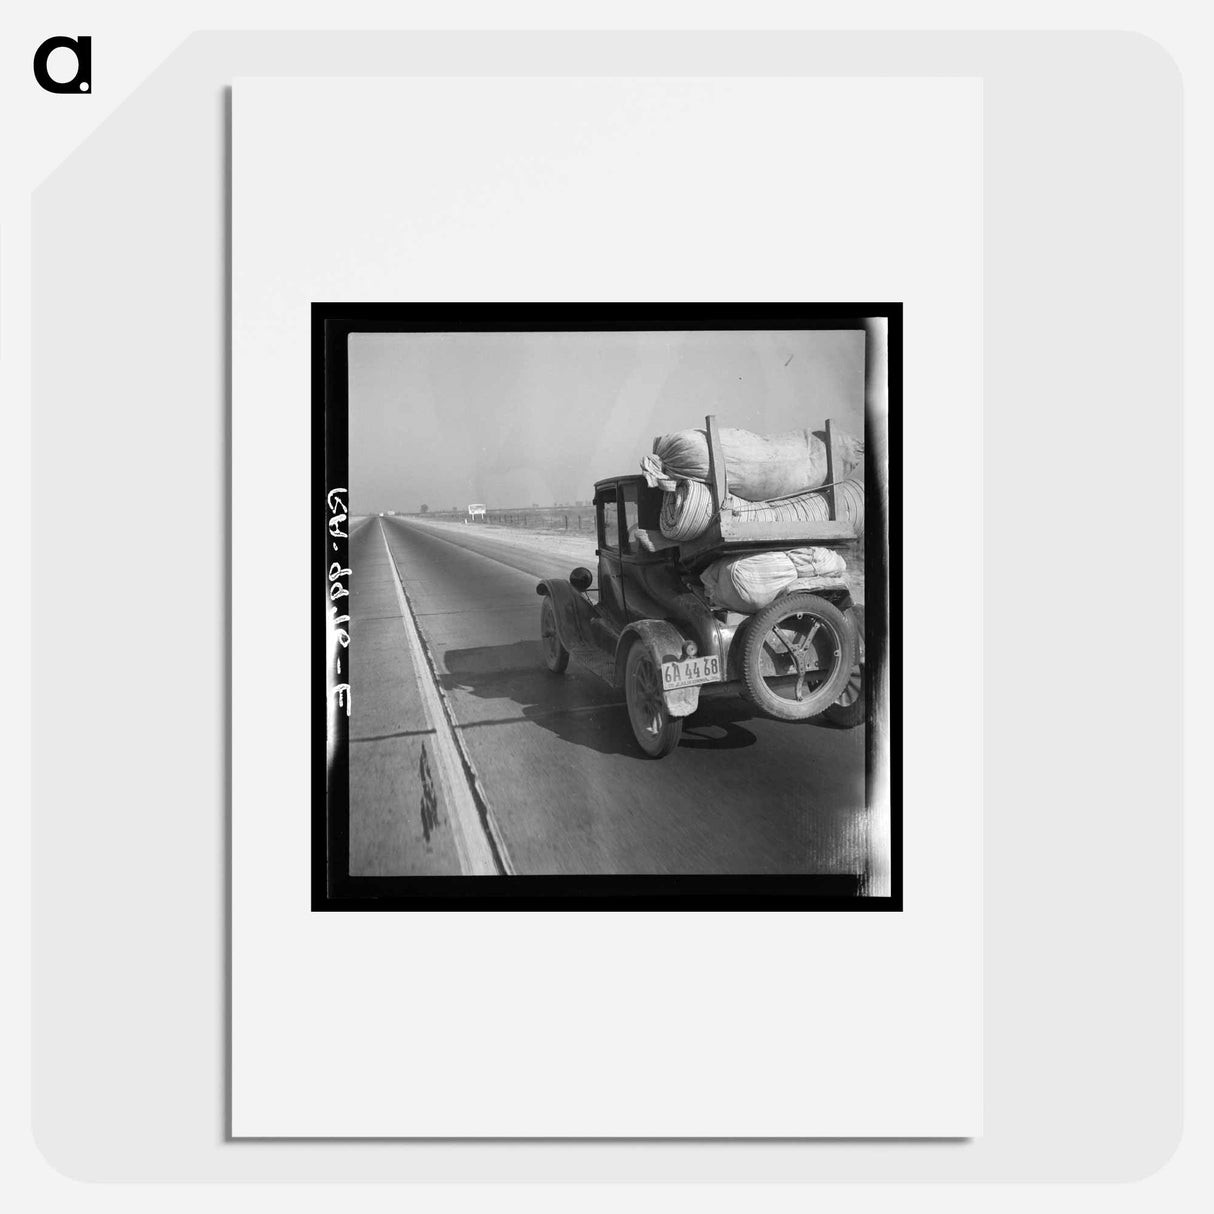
(594, 659)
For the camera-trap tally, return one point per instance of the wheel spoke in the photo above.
(648, 697)
(803, 643)
(783, 641)
(798, 656)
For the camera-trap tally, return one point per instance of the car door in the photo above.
(611, 590)
(647, 581)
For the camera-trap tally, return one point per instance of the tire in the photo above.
(556, 656)
(656, 731)
(782, 641)
(851, 708)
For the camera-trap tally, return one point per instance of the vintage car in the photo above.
(648, 626)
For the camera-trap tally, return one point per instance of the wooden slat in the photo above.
(797, 531)
(734, 535)
(830, 471)
(716, 463)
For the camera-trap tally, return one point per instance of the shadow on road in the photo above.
(710, 728)
(576, 706)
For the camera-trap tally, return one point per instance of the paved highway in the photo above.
(550, 759)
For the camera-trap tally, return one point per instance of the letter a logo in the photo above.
(82, 81)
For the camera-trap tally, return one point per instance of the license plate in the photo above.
(690, 671)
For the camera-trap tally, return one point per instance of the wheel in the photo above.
(797, 656)
(556, 656)
(657, 732)
(851, 708)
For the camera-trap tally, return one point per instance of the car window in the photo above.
(649, 507)
(610, 538)
(628, 495)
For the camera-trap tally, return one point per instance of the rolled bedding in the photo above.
(806, 507)
(687, 509)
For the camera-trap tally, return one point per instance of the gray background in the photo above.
(1082, 794)
(511, 419)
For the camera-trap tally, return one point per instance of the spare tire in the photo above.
(797, 656)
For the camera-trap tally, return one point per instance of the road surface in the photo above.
(549, 760)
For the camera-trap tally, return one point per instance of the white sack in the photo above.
(750, 583)
(757, 467)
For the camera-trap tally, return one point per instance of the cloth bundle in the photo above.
(757, 467)
(749, 583)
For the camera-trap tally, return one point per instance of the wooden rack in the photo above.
(727, 530)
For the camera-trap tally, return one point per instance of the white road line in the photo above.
(471, 840)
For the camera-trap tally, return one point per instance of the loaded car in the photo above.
(648, 624)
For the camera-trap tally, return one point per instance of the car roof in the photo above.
(617, 480)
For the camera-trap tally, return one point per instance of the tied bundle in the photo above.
(758, 468)
(749, 583)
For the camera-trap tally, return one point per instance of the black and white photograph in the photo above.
(605, 603)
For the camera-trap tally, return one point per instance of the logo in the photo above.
(82, 48)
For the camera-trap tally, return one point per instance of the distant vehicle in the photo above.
(476, 512)
(650, 631)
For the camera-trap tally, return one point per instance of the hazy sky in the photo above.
(515, 418)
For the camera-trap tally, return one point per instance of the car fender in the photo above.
(665, 644)
(572, 609)
(857, 614)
